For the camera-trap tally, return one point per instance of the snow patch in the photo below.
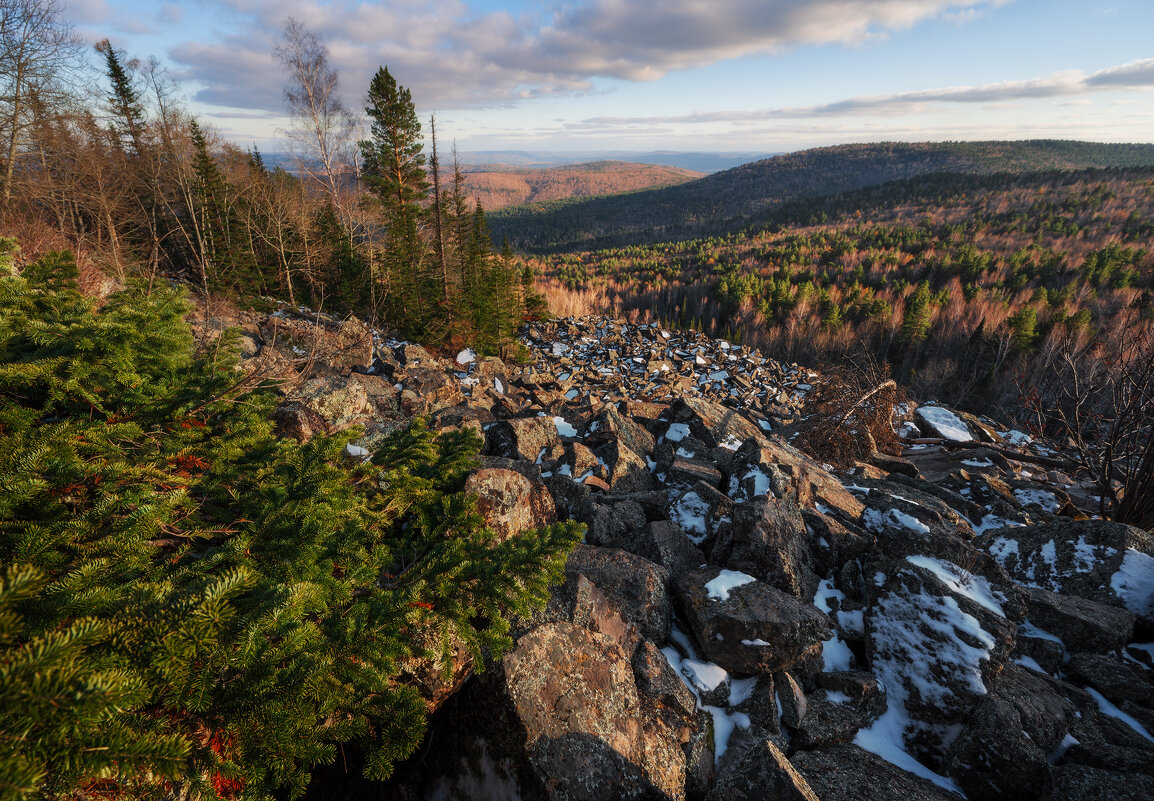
(564, 428)
(879, 521)
(677, 432)
(1134, 582)
(961, 581)
(466, 356)
(727, 580)
(946, 423)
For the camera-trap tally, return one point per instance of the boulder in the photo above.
(521, 437)
(762, 773)
(574, 694)
(803, 480)
(634, 584)
(1001, 753)
(1113, 677)
(510, 503)
(936, 644)
(628, 470)
(1094, 559)
(846, 772)
(751, 628)
(845, 702)
(767, 539)
(1082, 625)
(340, 400)
(1084, 783)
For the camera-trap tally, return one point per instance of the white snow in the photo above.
(946, 423)
(1030, 663)
(677, 432)
(835, 655)
(357, 451)
(1028, 629)
(466, 356)
(852, 621)
(1046, 500)
(836, 697)
(1134, 582)
(912, 657)
(705, 676)
(723, 722)
(1108, 708)
(690, 513)
(571, 394)
(758, 642)
(825, 591)
(1087, 555)
(878, 521)
(1049, 553)
(1014, 437)
(977, 463)
(740, 690)
(990, 522)
(560, 348)
(564, 428)
(731, 443)
(719, 588)
(497, 385)
(961, 581)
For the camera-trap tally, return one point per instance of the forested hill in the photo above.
(500, 186)
(728, 200)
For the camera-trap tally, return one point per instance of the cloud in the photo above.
(1134, 75)
(452, 57)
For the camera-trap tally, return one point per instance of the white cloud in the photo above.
(1069, 83)
(454, 58)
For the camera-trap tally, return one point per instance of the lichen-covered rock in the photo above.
(340, 400)
(510, 503)
(521, 437)
(636, 585)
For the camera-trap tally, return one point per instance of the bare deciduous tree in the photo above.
(1099, 396)
(37, 50)
(322, 126)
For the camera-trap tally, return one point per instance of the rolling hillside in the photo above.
(730, 200)
(498, 187)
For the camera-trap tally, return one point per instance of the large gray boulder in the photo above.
(1110, 563)
(936, 643)
(846, 772)
(751, 627)
(767, 539)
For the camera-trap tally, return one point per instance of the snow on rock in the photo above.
(690, 512)
(704, 676)
(564, 428)
(726, 580)
(962, 582)
(878, 521)
(944, 423)
(467, 356)
(932, 656)
(677, 432)
(1046, 500)
(1134, 582)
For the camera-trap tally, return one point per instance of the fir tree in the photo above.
(191, 606)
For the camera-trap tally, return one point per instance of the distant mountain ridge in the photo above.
(728, 200)
(497, 187)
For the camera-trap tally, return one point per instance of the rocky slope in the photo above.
(741, 622)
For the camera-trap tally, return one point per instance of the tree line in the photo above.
(100, 156)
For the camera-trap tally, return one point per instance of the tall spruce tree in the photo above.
(394, 169)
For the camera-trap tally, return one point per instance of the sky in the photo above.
(759, 76)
